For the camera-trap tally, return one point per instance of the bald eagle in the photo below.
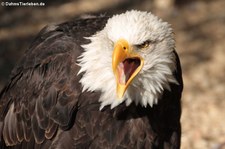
(96, 82)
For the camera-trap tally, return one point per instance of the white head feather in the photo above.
(159, 61)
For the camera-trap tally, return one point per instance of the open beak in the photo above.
(126, 65)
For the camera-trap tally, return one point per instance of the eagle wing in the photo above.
(43, 92)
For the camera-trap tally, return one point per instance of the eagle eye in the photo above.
(143, 45)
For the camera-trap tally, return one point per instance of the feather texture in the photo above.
(45, 106)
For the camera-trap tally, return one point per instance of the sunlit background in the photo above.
(199, 27)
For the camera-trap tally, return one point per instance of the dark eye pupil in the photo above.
(144, 45)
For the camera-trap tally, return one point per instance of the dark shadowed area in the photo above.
(199, 27)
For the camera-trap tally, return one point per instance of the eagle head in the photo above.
(131, 60)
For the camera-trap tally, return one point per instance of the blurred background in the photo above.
(199, 27)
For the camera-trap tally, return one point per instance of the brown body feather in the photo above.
(43, 105)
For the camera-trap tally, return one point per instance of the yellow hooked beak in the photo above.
(126, 65)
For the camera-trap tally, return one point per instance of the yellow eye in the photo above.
(144, 45)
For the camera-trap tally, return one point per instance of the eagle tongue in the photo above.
(127, 68)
